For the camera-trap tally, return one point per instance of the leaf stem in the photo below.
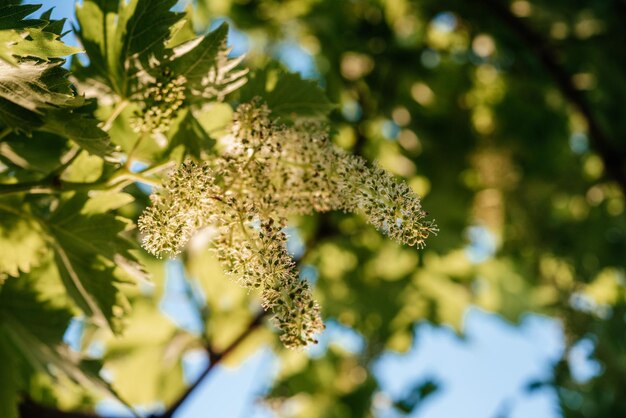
(129, 157)
(119, 108)
(4, 133)
(53, 184)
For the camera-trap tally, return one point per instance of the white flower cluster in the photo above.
(266, 173)
(161, 101)
(256, 256)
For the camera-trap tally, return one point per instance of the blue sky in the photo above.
(481, 375)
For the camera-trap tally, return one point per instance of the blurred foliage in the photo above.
(450, 96)
(446, 94)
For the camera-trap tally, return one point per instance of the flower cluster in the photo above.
(255, 254)
(161, 101)
(388, 204)
(265, 173)
(185, 203)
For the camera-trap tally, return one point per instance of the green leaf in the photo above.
(39, 44)
(35, 86)
(106, 201)
(12, 16)
(22, 243)
(289, 96)
(93, 258)
(10, 382)
(97, 27)
(34, 90)
(416, 397)
(293, 95)
(85, 168)
(150, 339)
(206, 66)
(38, 38)
(118, 39)
(29, 327)
(41, 152)
(36, 95)
(21, 306)
(81, 128)
(31, 330)
(323, 380)
(191, 136)
(53, 26)
(148, 27)
(183, 30)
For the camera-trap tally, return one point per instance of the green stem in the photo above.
(53, 184)
(4, 133)
(129, 157)
(129, 178)
(116, 112)
(156, 168)
(66, 161)
(15, 212)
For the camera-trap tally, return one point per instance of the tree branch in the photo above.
(53, 183)
(31, 409)
(3, 134)
(214, 358)
(610, 154)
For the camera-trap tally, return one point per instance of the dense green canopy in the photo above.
(504, 116)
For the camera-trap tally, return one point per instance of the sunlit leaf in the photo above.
(205, 64)
(91, 256)
(118, 35)
(287, 94)
(22, 241)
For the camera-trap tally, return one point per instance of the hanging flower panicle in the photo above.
(266, 173)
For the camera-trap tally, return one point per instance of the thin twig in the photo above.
(129, 157)
(157, 168)
(66, 161)
(53, 184)
(4, 133)
(114, 114)
(32, 409)
(215, 358)
(200, 307)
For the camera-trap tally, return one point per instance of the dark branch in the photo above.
(214, 359)
(30, 409)
(610, 154)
